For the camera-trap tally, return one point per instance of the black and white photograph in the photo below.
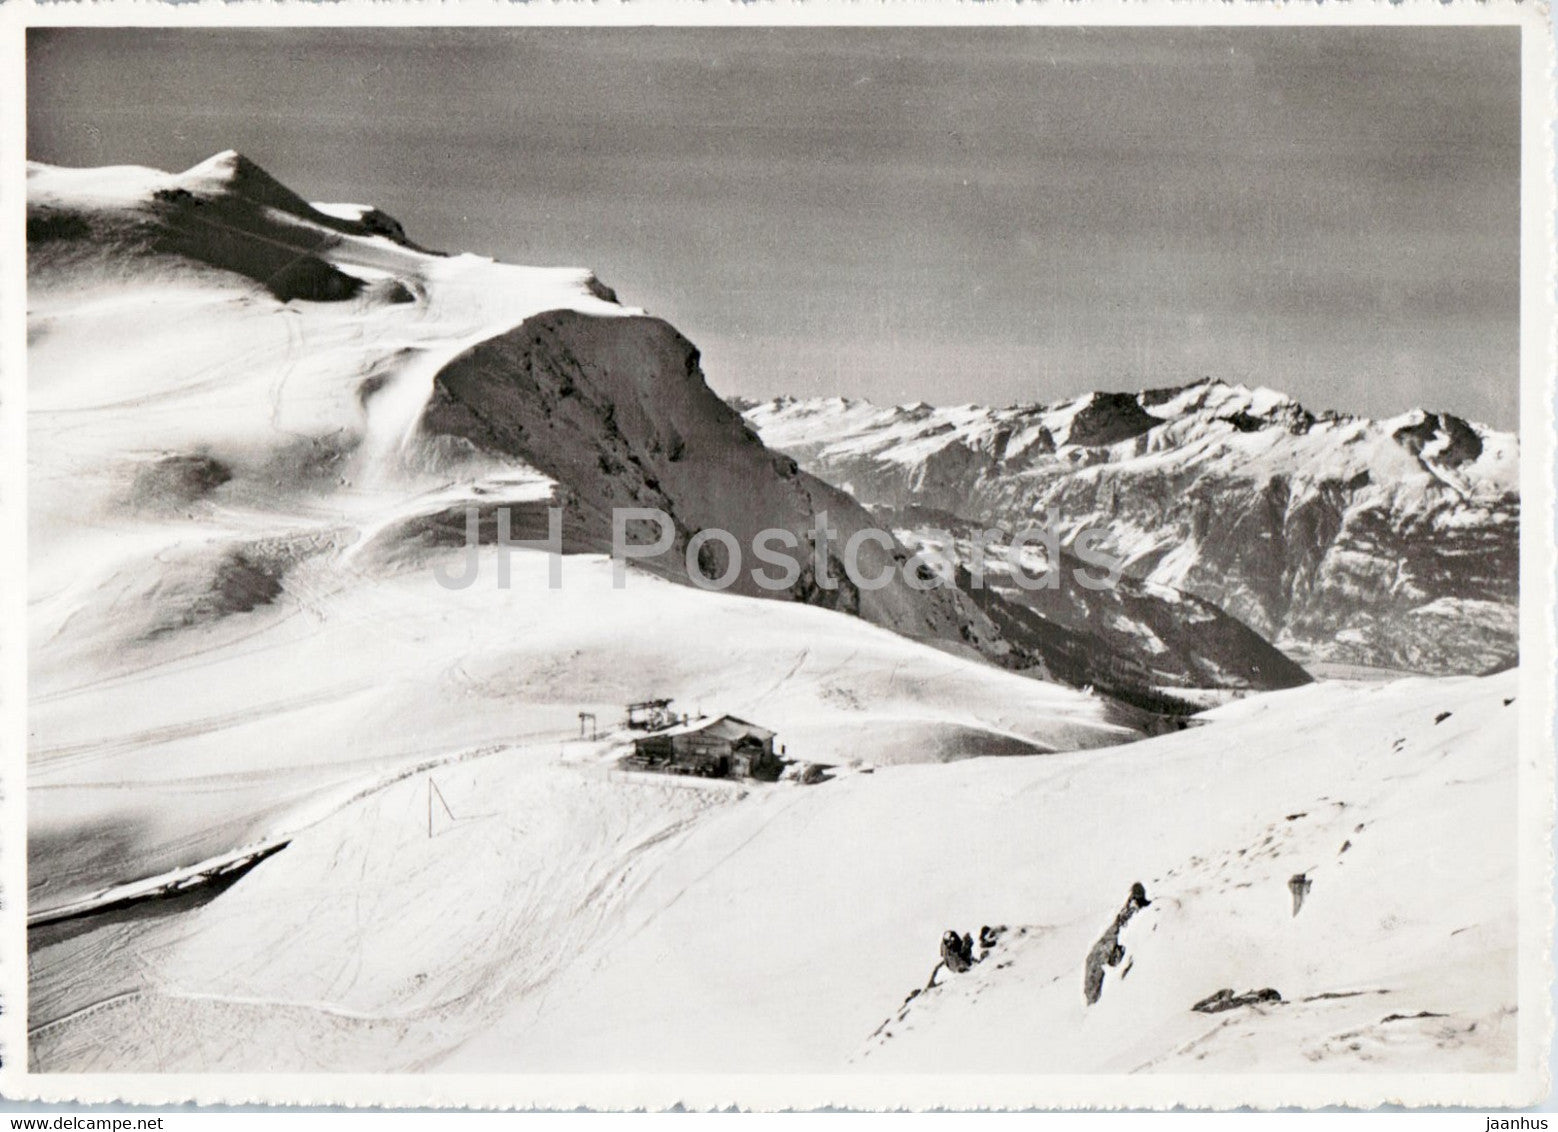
(889, 554)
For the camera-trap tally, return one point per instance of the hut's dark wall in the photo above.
(747, 756)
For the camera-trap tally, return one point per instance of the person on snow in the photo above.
(957, 952)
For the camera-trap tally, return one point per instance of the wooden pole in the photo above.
(442, 801)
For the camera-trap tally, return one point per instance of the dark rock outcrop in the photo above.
(1225, 999)
(1108, 951)
(616, 409)
(1299, 885)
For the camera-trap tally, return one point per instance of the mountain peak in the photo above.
(232, 176)
(230, 172)
(228, 161)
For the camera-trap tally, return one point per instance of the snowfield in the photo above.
(570, 916)
(199, 751)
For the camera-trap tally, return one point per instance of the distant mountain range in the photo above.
(1390, 544)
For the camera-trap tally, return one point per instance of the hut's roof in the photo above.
(721, 726)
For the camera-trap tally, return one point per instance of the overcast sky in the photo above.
(947, 215)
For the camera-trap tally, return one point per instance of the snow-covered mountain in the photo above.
(466, 382)
(254, 430)
(1383, 543)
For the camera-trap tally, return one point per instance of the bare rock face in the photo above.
(1108, 418)
(1389, 543)
(616, 410)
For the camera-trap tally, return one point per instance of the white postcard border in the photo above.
(1527, 1085)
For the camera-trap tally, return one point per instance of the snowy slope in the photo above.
(209, 348)
(565, 916)
(254, 429)
(829, 914)
(1388, 543)
(237, 732)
